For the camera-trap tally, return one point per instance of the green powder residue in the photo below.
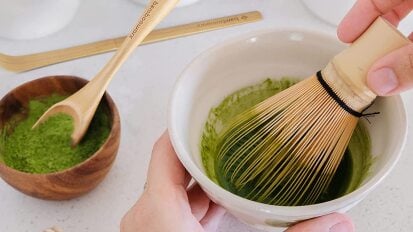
(351, 172)
(47, 148)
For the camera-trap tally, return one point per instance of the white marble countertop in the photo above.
(141, 90)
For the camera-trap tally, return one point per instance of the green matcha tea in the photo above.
(47, 148)
(351, 171)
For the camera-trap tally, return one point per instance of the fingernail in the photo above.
(342, 227)
(383, 81)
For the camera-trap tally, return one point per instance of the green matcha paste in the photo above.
(47, 148)
(353, 167)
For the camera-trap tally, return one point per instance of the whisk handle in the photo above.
(353, 64)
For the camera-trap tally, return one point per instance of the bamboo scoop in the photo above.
(286, 149)
(82, 105)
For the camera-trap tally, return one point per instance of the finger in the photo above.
(213, 217)
(364, 12)
(399, 12)
(393, 73)
(198, 201)
(165, 169)
(331, 223)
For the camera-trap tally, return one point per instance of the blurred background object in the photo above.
(28, 19)
(331, 11)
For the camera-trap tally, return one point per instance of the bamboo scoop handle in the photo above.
(82, 105)
(353, 64)
(153, 14)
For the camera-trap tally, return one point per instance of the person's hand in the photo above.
(393, 73)
(167, 204)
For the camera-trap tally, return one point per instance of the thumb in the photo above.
(393, 73)
(331, 223)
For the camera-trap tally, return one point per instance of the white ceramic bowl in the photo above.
(30, 19)
(250, 59)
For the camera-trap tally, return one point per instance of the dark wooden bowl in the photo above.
(71, 182)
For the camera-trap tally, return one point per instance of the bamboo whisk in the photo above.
(286, 150)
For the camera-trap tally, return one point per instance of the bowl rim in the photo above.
(243, 204)
(115, 126)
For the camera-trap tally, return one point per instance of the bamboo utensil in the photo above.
(82, 105)
(286, 150)
(28, 62)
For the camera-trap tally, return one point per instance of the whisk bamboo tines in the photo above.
(286, 150)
